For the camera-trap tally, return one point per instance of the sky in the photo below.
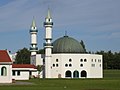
(96, 22)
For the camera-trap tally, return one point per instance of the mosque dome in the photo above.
(67, 44)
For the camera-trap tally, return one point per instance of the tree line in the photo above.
(111, 60)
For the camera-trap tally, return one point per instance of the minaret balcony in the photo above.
(33, 48)
(48, 23)
(33, 30)
(48, 44)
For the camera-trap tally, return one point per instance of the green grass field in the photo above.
(111, 81)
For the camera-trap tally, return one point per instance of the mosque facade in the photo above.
(64, 57)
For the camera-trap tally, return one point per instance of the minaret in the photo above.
(48, 45)
(33, 34)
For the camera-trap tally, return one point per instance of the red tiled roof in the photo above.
(4, 57)
(23, 66)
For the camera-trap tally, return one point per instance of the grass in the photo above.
(111, 81)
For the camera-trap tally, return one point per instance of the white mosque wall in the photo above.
(61, 63)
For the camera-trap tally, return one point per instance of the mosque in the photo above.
(64, 57)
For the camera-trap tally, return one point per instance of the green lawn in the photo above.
(111, 81)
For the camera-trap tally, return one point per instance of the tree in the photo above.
(39, 68)
(83, 45)
(23, 56)
(41, 51)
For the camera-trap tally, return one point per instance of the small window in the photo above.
(92, 65)
(66, 65)
(99, 60)
(70, 65)
(18, 73)
(49, 20)
(13, 72)
(70, 60)
(85, 60)
(100, 65)
(81, 65)
(53, 65)
(43, 61)
(81, 60)
(56, 60)
(91, 60)
(95, 60)
(56, 65)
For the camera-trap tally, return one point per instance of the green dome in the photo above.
(67, 45)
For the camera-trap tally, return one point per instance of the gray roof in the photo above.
(67, 45)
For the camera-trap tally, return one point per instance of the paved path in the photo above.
(18, 83)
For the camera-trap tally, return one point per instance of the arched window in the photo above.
(70, 65)
(68, 74)
(70, 60)
(53, 65)
(56, 65)
(81, 60)
(76, 74)
(56, 60)
(85, 60)
(3, 71)
(83, 73)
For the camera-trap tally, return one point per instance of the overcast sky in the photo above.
(96, 22)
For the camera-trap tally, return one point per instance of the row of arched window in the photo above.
(76, 74)
(3, 71)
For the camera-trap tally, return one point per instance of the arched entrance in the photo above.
(83, 73)
(76, 74)
(68, 74)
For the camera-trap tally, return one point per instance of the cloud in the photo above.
(90, 13)
(86, 19)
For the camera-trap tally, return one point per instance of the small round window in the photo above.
(81, 65)
(66, 65)
(81, 60)
(70, 65)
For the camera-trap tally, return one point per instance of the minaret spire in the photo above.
(48, 14)
(33, 22)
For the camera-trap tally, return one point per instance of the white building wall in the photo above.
(92, 72)
(37, 59)
(56, 64)
(8, 77)
(24, 75)
(34, 73)
(96, 71)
